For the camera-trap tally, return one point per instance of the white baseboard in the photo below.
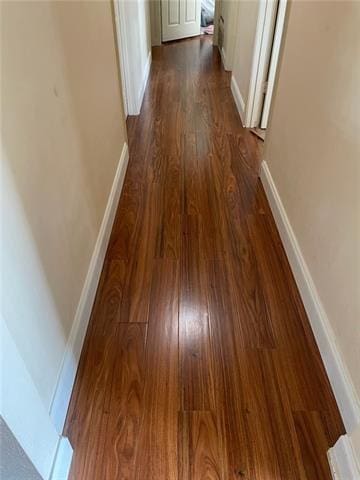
(238, 99)
(343, 464)
(61, 398)
(62, 461)
(144, 82)
(339, 377)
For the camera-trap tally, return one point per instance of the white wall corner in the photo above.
(342, 460)
(338, 374)
(144, 83)
(61, 398)
(62, 461)
(239, 101)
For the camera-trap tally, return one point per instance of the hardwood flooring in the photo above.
(199, 362)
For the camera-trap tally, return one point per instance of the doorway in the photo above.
(253, 92)
(180, 19)
(207, 17)
(266, 64)
(177, 19)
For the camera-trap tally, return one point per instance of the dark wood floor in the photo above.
(199, 362)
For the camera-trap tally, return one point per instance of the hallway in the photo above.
(199, 361)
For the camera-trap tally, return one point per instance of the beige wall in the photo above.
(229, 12)
(244, 46)
(62, 135)
(313, 152)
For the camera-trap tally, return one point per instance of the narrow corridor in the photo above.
(199, 361)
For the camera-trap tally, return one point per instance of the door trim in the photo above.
(263, 41)
(274, 61)
(343, 461)
(128, 93)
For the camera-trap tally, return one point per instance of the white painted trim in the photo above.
(264, 60)
(255, 61)
(343, 464)
(134, 98)
(122, 56)
(336, 369)
(131, 94)
(61, 398)
(62, 461)
(144, 82)
(240, 104)
(262, 49)
(274, 60)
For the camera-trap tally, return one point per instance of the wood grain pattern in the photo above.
(199, 362)
(312, 437)
(195, 350)
(124, 413)
(200, 447)
(157, 440)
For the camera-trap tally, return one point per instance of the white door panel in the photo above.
(180, 19)
(279, 27)
(265, 34)
(190, 11)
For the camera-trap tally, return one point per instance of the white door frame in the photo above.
(279, 28)
(129, 97)
(262, 50)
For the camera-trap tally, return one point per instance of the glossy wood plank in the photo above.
(157, 441)
(123, 416)
(311, 434)
(225, 338)
(296, 347)
(136, 294)
(195, 349)
(266, 403)
(168, 238)
(200, 447)
(85, 422)
(199, 361)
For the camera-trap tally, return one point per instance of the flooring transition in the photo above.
(199, 361)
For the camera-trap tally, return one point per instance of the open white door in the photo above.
(254, 105)
(260, 67)
(279, 28)
(180, 19)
